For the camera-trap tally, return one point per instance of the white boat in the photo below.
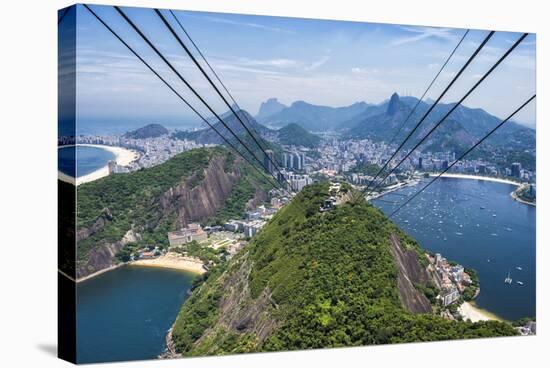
(508, 279)
(519, 282)
(518, 268)
(494, 215)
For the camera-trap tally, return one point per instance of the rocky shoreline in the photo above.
(170, 352)
(515, 196)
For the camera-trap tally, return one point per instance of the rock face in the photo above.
(193, 203)
(239, 312)
(393, 106)
(99, 223)
(269, 107)
(409, 273)
(101, 257)
(194, 199)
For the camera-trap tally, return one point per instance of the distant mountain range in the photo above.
(462, 129)
(292, 125)
(269, 108)
(380, 122)
(311, 117)
(291, 134)
(209, 136)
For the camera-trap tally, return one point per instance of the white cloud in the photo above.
(276, 63)
(237, 23)
(364, 71)
(317, 64)
(422, 33)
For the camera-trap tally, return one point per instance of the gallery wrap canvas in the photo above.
(234, 183)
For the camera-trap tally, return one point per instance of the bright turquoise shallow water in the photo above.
(88, 159)
(124, 314)
(448, 218)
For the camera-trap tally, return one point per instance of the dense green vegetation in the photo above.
(132, 201)
(203, 252)
(471, 290)
(331, 281)
(294, 135)
(366, 169)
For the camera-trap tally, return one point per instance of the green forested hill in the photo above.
(312, 280)
(294, 135)
(150, 201)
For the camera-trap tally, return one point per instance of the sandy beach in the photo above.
(174, 261)
(97, 273)
(123, 157)
(475, 314)
(477, 177)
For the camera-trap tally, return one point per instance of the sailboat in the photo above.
(508, 279)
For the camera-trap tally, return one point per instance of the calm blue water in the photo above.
(124, 314)
(88, 159)
(447, 218)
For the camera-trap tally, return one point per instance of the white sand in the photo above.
(174, 261)
(478, 177)
(474, 314)
(123, 157)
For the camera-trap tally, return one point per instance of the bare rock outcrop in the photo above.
(409, 273)
(238, 312)
(192, 202)
(102, 256)
(99, 223)
(194, 199)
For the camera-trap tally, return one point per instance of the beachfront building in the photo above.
(458, 273)
(449, 296)
(186, 235)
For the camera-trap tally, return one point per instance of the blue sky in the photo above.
(331, 63)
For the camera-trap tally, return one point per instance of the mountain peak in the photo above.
(393, 105)
(148, 131)
(269, 107)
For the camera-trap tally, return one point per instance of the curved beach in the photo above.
(123, 157)
(478, 177)
(468, 311)
(174, 261)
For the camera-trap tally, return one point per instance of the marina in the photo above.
(493, 241)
